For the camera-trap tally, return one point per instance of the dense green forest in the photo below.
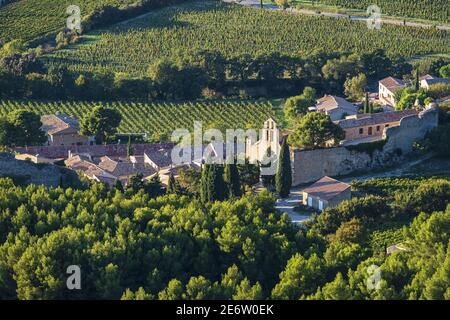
(134, 246)
(206, 74)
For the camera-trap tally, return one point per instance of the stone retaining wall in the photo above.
(309, 166)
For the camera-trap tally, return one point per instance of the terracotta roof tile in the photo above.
(376, 118)
(52, 124)
(326, 188)
(392, 84)
(332, 102)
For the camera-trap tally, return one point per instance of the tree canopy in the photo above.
(315, 130)
(21, 128)
(101, 122)
(138, 246)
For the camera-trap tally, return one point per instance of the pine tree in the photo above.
(232, 181)
(154, 187)
(283, 178)
(118, 186)
(135, 183)
(367, 103)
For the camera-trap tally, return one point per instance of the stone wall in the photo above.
(27, 172)
(112, 150)
(310, 166)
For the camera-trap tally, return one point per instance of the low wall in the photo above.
(26, 172)
(309, 166)
(112, 150)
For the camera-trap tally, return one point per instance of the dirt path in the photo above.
(257, 4)
(288, 205)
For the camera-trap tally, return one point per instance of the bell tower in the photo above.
(271, 135)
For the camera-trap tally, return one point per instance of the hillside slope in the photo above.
(28, 19)
(424, 9)
(160, 118)
(235, 30)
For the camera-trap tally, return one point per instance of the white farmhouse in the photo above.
(335, 107)
(428, 80)
(387, 89)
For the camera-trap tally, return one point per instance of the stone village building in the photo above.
(325, 193)
(399, 130)
(363, 126)
(62, 130)
(387, 88)
(335, 107)
(311, 165)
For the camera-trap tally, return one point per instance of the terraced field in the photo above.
(161, 118)
(234, 30)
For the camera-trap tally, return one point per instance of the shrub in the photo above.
(368, 147)
(367, 209)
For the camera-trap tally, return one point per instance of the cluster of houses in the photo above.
(109, 168)
(108, 165)
(390, 85)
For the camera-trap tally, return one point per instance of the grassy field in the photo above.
(28, 19)
(234, 30)
(160, 118)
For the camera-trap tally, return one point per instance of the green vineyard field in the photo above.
(425, 9)
(160, 118)
(28, 19)
(235, 30)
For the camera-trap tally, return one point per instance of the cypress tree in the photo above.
(219, 187)
(283, 178)
(172, 185)
(129, 148)
(232, 181)
(212, 185)
(367, 104)
(205, 183)
(153, 187)
(118, 186)
(417, 81)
